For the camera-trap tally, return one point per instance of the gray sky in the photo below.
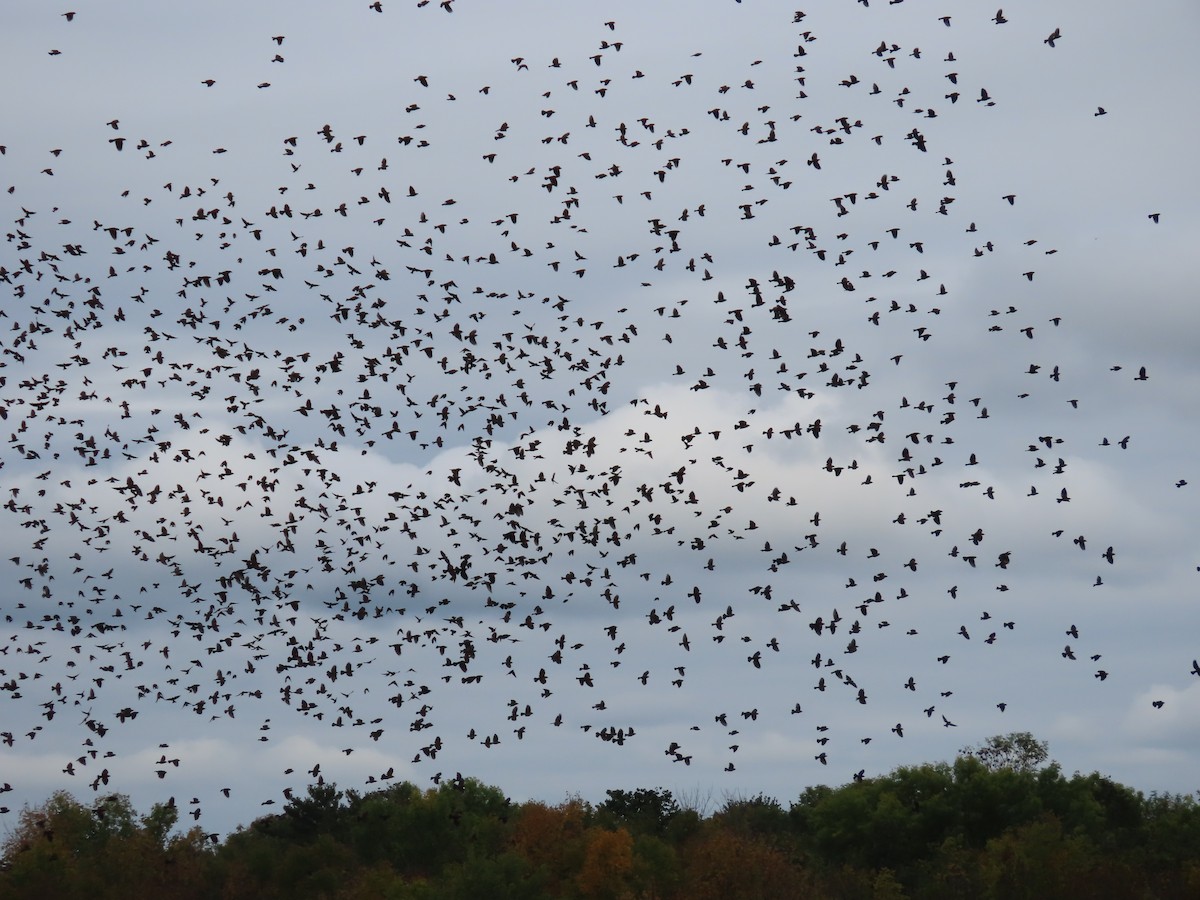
(481, 354)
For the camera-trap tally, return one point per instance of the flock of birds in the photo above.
(332, 442)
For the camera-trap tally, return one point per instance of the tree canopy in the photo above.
(1019, 751)
(987, 825)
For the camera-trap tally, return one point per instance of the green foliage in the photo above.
(1019, 751)
(759, 817)
(644, 811)
(505, 876)
(967, 829)
(64, 849)
(656, 869)
(159, 821)
(315, 814)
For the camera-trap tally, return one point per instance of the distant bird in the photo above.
(372, 442)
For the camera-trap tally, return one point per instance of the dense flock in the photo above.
(574, 391)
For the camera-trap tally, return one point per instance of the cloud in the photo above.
(413, 405)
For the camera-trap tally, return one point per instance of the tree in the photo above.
(644, 811)
(159, 821)
(1019, 751)
(1038, 860)
(721, 865)
(607, 863)
(315, 814)
(552, 839)
(656, 871)
(939, 831)
(64, 849)
(503, 876)
(760, 818)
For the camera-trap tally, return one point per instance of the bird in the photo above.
(372, 443)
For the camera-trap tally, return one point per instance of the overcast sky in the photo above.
(693, 395)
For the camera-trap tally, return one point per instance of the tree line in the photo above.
(997, 822)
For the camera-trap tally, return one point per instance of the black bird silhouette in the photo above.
(207, 392)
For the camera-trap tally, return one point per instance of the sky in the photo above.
(721, 397)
